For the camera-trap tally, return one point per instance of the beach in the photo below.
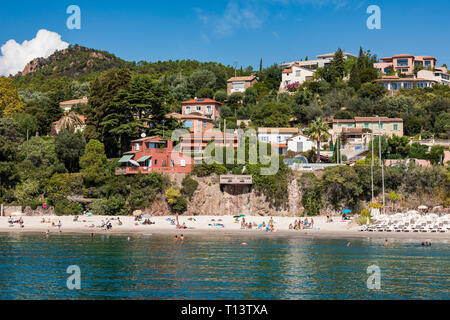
(204, 225)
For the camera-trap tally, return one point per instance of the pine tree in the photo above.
(355, 81)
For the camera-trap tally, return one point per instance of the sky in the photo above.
(228, 31)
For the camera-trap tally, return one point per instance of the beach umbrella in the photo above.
(192, 219)
(137, 213)
(347, 211)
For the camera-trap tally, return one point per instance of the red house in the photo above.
(206, 107)
(153, 154)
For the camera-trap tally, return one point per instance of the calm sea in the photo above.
(154, 267)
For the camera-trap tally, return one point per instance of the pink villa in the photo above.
(206, 107)
(405, 63)
(418, 162)
(153, 154)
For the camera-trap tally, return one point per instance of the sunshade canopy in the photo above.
(144, 158)
(126, 158)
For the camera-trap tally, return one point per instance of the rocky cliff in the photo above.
(213, 199)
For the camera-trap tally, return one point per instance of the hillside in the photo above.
(73, 63)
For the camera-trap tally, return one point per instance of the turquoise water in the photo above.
(154, 267)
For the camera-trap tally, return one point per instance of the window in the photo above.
(198, 108)
(366, 125)
(394, 86)
(395, 127)
(137, 146)
(427, 63)
(188, 110)
(183, 163)
(172, 163)
(209, 109)
(188, 124)
(407, 85)
(402, 62)
(279, 139)
(238, 86)
(204, 123)
(156, 162)
(387, 70)
(298, 73)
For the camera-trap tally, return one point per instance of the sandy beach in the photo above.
(205, 225)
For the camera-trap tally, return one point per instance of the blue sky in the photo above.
(236, 30)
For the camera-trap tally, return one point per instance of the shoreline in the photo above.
(245, 234)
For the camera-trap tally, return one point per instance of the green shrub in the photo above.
(189, 187)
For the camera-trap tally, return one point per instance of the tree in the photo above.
(93, 163)
(272, 114)
(417, 151)
(10, 101)
(205, 93)
(176, 201)
(71, 121)
(104, 90)
(27, 124)
(394, 197)
(372, 91)
(318, 131)
(69, 146)
(355, 81)
(189, 187)
(201, 79)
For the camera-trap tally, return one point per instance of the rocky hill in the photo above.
(73, 63)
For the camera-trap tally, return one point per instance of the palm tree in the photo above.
(71, 121)
(318, 131)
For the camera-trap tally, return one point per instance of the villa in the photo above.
(394, 83)
(153, 154)
(277, 137)
(358, 131)
(300, 143)
(206, 107)
(297, 72)
(240, 84)
(405, 63)
(68, 105)
(321, 61)
(293, 76)
(437, 76)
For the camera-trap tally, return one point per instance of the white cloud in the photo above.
(15, 56)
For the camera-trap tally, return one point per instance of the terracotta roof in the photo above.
(376, 119)
(246, 78)
(279, 130)
(298, 134)
(70, 102)
(201, 101)
(149, 139)
(344, 121)
(287, 71)
(278, 145)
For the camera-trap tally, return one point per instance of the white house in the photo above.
(293, 75)
(438, 76)
(277, 137)
(300, 143)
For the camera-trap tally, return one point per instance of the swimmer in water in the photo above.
(175, 239)
(349, 244)
(182, 238)
(386, 243)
